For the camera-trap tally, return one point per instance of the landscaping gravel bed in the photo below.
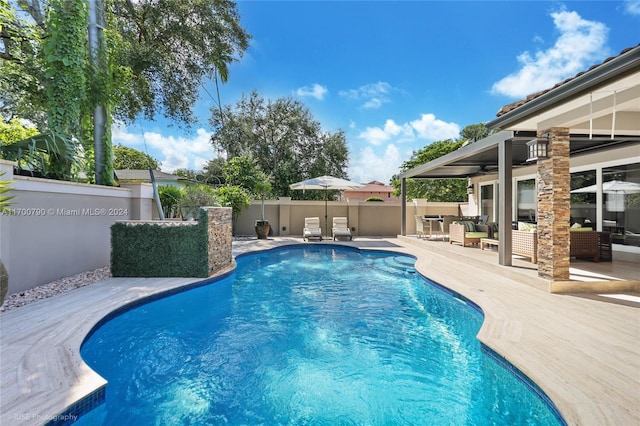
(60, 286)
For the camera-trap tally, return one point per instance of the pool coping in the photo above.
(593, 378)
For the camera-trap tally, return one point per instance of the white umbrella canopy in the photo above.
(326, 183)
(611, 187)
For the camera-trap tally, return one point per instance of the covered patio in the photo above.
(594, 114)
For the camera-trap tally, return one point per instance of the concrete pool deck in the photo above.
(583, 350)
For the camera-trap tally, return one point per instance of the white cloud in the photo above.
(632, 7)
(580, 44)
(374, 95)
(391, 130)
(315, 91)
(370, 163)
(429, 127)
(367, 166)
(173, 152)
(121, 136)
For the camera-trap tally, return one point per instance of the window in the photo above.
(526, 200)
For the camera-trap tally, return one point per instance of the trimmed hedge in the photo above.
(149, 250)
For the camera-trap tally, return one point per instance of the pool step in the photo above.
(396, 264)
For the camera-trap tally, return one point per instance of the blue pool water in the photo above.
(318, 335)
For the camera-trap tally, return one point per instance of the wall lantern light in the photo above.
(537, 148)
(470, 188)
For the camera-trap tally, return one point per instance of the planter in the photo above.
(262, 229)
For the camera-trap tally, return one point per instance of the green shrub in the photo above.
(155, 251)
(375, 199)
(194, 197)
(234, 197)
(170, 197)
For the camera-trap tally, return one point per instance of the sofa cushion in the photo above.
(476, 235)
(527, 227)
(469, 226)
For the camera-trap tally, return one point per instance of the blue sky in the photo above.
(396, 76)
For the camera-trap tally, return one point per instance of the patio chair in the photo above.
(525, 243)
(584, 243)
(420, 232)
(311, 228)
(341, 228)
(446, 223)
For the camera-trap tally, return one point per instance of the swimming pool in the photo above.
(312, 334)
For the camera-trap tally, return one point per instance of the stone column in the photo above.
(220, 238)
(553, 182)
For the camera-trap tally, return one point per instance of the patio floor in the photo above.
(583, 350)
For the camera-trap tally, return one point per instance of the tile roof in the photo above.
(374, 186)
(510, 107)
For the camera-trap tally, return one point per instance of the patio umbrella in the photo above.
(617, 189)
(611, 187)
(325, 183)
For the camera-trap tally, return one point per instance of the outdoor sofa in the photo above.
(583, 243)
(466, 232)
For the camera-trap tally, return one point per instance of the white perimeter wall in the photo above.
(58, 229)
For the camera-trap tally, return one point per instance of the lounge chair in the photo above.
(341, 228)
(311, 228)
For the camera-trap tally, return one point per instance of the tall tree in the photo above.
(212, 171)
(282, 136)
(22, 70)
(474, 132)
(168, 48)
(439, 189)
(432, 189)
(130, 158)
(158, 54)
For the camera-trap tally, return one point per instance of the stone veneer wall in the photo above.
(554, 207)
(220, 238)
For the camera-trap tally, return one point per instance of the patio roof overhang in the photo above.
(600, 107)
(481, 157)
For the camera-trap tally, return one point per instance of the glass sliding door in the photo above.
(487, 202)
(583, 204)
(621, 203)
